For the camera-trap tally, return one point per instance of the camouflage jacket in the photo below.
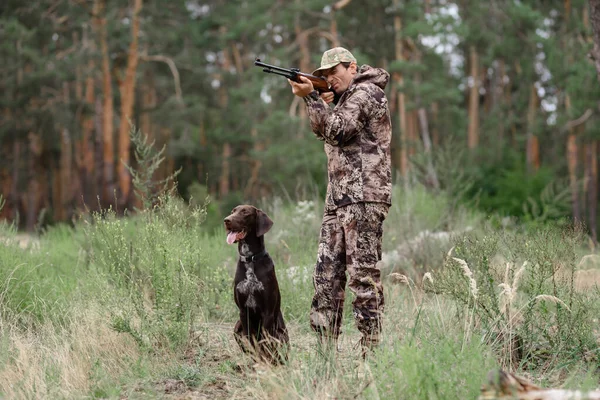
(357, 135)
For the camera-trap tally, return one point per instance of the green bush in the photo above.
(518, 290)
(151, 262)
(510, 190)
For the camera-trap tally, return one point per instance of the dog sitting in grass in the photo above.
(261, 329)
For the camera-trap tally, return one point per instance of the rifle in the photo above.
(319, 83)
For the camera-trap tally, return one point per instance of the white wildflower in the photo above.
(467, 273)
(399, 278)
(427, 277)
(551, 299)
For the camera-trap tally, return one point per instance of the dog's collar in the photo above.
(253, 257)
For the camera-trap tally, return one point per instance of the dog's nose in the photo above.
(227, 221)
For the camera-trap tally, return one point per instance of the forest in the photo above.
(130, 129)
(495, 101)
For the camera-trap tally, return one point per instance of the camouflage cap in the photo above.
(333, 57)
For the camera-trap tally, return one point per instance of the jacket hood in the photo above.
(376, 76)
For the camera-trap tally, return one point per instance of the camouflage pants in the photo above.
(350, 242)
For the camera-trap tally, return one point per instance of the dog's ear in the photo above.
(263, 223)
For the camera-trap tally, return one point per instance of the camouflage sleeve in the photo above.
(339, 125)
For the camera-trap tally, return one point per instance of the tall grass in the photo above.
(420, 358)
(38, 277)
(142, 306)
(153, 261)
(527, 307)
(83, 356)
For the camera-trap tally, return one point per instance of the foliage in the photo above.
(147, 189)
(151, 260)
(38, 277)
(197, 91)
(119, 306)
(142, 305)
(520, 294)
(507, 189)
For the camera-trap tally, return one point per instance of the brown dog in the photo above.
(261, 328)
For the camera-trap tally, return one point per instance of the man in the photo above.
(357, 134)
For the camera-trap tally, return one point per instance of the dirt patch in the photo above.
(211, 367)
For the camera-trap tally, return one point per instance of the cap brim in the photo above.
(319, 71)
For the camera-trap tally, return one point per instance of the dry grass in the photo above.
(59, 363)
(586, 277)
(224, 372)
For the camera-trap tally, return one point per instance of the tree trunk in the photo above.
(501, 98)
(85, 147)
(252, 189)
(591, 179)
(201, 167)
(533, 147)
(432, 178)
(572, 164)
(79, 117)
(427, 6)
(401, 156)
(488, 98)
(56, 188)
(225, 170)
(225, 178)
(127, 89)
(595, 20)
(302, 40)
(508, 99)
(413, 134)
(108, 156)
(13, 196)
(98, 155)
(594, 17)
(333, 26)
(473, 133)
(5, 184)
(62, 175)
(67, 182)
(33, 195)
(572, 161)
(86, 151)
(435, 110)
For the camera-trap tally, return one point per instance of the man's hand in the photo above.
(302, 89)
(327, 97)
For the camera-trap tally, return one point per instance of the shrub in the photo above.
(150, 262)
(518, 292)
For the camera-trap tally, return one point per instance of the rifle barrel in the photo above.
(292, 74)
(259, 63)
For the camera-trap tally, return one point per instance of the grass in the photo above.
(141, 307)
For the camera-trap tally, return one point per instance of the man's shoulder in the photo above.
(373, 92)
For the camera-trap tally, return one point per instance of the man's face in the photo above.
(339, 77)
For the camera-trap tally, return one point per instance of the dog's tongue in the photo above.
(231, 236)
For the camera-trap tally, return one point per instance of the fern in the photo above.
(552, 204)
